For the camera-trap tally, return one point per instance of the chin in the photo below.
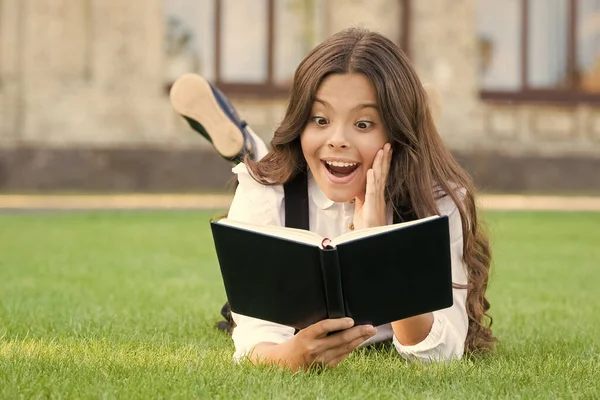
(339, 196)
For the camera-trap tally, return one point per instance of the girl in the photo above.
(359, 124)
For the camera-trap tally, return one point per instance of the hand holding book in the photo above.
(326, 342)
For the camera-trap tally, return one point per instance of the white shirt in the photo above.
(259, 204)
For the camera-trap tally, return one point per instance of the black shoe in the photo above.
(209, 113)
(227, 325)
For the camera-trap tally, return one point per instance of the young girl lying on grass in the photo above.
(359, 123)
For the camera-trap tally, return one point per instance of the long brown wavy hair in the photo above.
(420, 159)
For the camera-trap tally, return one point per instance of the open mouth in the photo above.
(340, 169)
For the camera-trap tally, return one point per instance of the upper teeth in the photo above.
(340, 164)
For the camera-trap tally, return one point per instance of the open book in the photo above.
(296, 278)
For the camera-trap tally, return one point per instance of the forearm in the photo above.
(413, 330)
(270, 353)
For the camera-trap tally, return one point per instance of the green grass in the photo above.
(123, 305)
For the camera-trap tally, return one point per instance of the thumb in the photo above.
(322, 328)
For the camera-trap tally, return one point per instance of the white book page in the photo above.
(297, 235)
(353, 235)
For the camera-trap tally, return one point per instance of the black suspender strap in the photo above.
(296, 202)
(295, 192)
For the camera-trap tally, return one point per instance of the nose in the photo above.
(338, 139)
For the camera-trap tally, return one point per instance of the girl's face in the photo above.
(343, 136)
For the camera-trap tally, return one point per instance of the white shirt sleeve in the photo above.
(446, 340)
(256, 204)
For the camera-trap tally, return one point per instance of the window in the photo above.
(540, 50)
(244, 46)
(189, 43)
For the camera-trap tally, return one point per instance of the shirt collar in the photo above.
(317, 195)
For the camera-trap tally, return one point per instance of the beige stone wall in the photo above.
(10, 89)
(91, 73)
(262, 115)
(541, 129)
(383, 16)
(444, 46)
(443, 43)
(84, 73)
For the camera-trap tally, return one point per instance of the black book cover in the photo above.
(375, 279)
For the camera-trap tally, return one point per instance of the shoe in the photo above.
(227, 325)
(209, 112)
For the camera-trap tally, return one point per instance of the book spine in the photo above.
(332, 279)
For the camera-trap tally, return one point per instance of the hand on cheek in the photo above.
(370, 211)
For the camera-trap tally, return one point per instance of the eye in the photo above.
(364, 125)
(321, 121)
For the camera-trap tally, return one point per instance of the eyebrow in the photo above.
(367, 105)
(358, 107)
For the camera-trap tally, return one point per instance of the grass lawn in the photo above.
(123, 305)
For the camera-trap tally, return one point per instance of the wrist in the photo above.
(373, 222)
(379, 222)
(264, 352)
(273, 353)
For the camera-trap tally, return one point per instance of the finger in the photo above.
(371, 187)
(342, 351)
(362, 332)
(387, 160)
(342, 343)
(370, 208)
(335, 362)
(377, 165)
(322, 328)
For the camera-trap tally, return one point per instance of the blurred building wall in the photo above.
(84, 103)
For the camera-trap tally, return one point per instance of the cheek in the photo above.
(308, 151)
(369, 151)
(369, 159)
(372, 146)
(309, 142)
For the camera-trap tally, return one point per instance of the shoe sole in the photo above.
(191, 96)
